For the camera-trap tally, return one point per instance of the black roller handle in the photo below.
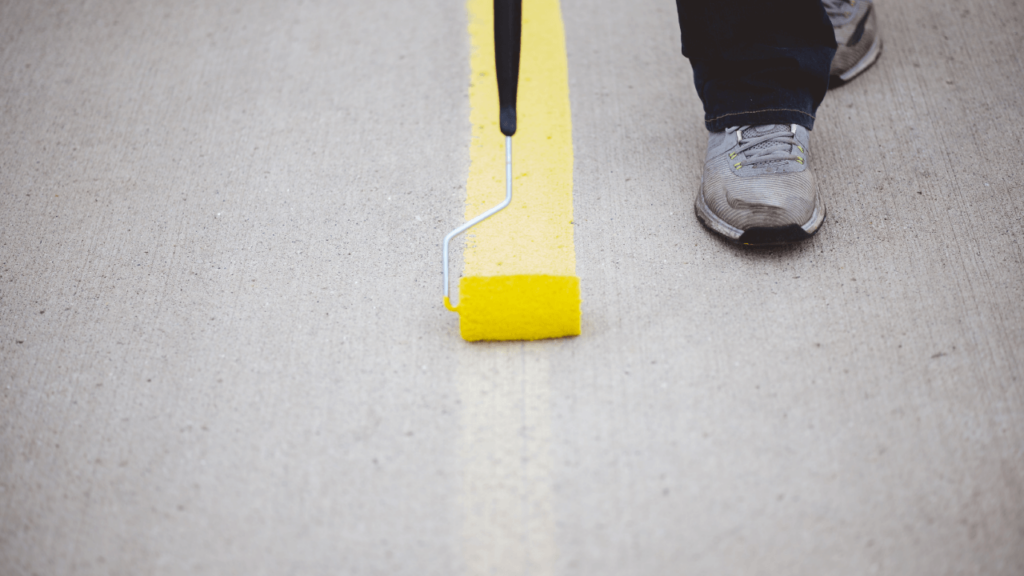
(508, 25)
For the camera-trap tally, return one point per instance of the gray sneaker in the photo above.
(857, 36)
(757, 187)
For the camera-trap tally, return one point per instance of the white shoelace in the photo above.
(780, 147)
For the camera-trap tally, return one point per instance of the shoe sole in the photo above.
(760, 235)
(863, 64)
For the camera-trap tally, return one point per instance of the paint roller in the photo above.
(523, 306)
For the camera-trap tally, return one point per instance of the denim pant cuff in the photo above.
(760, 117)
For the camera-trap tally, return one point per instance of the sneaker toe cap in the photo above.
(771, 201)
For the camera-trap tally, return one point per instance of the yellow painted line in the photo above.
(507, 499)
(534, 234)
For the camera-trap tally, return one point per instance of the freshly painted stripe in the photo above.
(534, 234)
(523, 256)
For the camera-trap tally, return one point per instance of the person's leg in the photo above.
(758, 62)
(761, 68)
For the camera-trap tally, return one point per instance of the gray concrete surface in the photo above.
(223, 351)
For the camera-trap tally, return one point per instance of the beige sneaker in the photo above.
(856, 31)
(757, 186)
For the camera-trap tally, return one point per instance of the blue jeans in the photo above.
(757, 61)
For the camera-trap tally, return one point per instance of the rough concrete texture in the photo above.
(223, 350)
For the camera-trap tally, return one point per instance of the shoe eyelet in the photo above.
(800, 148)
(799, 159)
(732, 156)
(737, 165)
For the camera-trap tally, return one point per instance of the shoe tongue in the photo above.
(765, 129)
(755, 131)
